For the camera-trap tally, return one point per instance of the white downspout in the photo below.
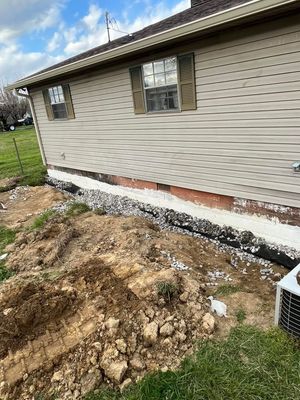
(36, 125)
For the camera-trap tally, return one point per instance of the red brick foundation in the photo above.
(284, 214)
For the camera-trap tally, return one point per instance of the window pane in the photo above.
(148, 69)
(56, 94)
(164, 98)
(158, 67)
(170, 64)
(59, 111)
(149, 81)
(160, 80)
(172, 97)
(171, 77)
(52, 99)
(60, 94)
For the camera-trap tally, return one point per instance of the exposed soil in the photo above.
(85, 307)
(23, 204)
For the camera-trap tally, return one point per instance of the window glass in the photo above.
(160, 84)
(160, 80)
(159, 67)
(57, 101)
(149, 81)
(148, 69)
(164, 98)
(56, 94)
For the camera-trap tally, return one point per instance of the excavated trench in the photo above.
(167, 218)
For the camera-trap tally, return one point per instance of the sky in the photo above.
(37, 33)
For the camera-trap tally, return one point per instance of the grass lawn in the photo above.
(249, 365)
(34, 170)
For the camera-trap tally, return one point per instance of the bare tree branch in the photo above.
(12, 107)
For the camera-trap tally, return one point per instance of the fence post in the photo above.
(18, 156)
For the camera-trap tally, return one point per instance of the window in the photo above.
(160, 85)
(57, 101)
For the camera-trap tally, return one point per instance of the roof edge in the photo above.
(238, 12)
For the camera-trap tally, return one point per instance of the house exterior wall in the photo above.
(241, 140)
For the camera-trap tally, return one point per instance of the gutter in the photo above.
(241, 11)
(36, 125)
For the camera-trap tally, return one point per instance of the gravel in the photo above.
(241, 245)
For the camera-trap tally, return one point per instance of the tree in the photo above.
(12, 107)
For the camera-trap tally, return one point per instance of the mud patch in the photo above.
(27, 311)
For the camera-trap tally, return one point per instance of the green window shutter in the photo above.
(186, 81)
(48, 105)
(137, 90)
(68, 101)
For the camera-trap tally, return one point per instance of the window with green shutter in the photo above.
(58, 102)
(164, 85)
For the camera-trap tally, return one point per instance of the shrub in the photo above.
(167, 290)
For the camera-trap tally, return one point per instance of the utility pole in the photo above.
(107, 21)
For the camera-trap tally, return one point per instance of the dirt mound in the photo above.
(38, 250)
(107, 299)
(22, 204)
(28, 309)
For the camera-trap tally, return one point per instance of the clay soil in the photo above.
(85, 306)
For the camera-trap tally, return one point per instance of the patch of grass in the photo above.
(167, 290)
(226, 290)
(42, 219)
(34, 171)
(240, 315)
(37, 178)
(7, 236)
(250, 365)
(99, 211)
(5, 273)
(77, 208)
(105, 394)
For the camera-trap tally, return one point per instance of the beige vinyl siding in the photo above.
(241, 140)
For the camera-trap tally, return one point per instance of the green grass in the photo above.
(7, 236)
(99, 211)
(167, 290)
(34, 171)
(41, 220)
(240, 315)
(249, 365)
(5, 273)
(226, 290)
(77, 208)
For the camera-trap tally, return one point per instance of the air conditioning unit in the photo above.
(287, 308)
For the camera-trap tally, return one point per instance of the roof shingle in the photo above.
(203, 9)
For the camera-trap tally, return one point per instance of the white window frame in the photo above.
(163, 86)
(59, 95)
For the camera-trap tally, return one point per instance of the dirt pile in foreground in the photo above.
(103, 299)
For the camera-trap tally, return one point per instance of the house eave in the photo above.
(253, 8)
